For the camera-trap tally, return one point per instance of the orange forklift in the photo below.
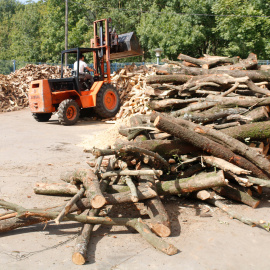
(67, 96)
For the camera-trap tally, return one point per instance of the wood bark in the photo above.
(123, 197)
(236, 215)
(121, 150)
(15, 223)
(161, 93)
(237, 195)
(254, 75)
(207, 145)
(255, 131)
(55, 189)
(160, 222)
(231, 142)
(74, 177)
(181, 186)
(131, 173)
(79, 255)
(245, 64)
(210, 116)
(258, 114)
(93, 192)
(161, 105)
(226, 102)
(165, 148)
(137, 224)
(208, 64)
(67, 207)
(176, 79)
(194, 107)
(191, 184)
(241, 101)
(132, 187)
(227, 125)
(224, 165)
(258, 181)
(178, 186)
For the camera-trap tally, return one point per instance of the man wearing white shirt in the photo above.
(82, 66)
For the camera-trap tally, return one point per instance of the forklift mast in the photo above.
(111, 46)
(103, 40)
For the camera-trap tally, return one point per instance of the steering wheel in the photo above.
(85, 70)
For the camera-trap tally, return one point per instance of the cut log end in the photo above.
(156, 120)
(98, 201)
(161, 230)
(134, 199)
(255, 205)
(171, 250)
(78, 258)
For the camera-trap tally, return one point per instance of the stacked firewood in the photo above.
(14, 87)
(130, 83)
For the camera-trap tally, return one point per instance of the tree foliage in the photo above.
(35, 32)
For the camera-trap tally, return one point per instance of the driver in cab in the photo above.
(82, 66)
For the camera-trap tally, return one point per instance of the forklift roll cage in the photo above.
(68, 96)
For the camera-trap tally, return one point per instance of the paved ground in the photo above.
(39, 152)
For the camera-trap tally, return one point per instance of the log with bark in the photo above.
(215, 92)
(207, 145)
(138, 224)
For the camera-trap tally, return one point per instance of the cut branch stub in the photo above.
(93, 192)
(160, 223)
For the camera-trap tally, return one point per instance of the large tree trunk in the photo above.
(176, 79)
(254, 75)
(206, 145)
(207, 64)
(230, 140)
(255, 131)
(211, 115)
(161, 105)
(165, 148)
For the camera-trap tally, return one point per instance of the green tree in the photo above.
(53, 28)
(176, 28)
(7, 9)
(245, 29)
(25, 33)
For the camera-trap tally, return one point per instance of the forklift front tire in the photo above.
(68, 112)
(108, 101)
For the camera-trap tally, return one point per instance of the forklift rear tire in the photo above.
(108, 101)
(68, 112)
(42, 117)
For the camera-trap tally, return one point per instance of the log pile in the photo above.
(14, 87)
(130, 82)
(192, 162)
(206, 138)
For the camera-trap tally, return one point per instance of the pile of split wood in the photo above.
(203, 141)
(14, 87)
(130, 82)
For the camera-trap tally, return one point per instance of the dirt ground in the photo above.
(33, 152)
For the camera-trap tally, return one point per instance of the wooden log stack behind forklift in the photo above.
(67, 96)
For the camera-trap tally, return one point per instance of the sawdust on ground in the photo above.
(105, 138)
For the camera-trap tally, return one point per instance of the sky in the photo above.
(25, 1)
